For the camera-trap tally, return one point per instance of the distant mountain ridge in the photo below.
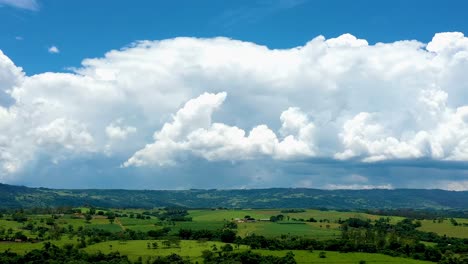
(24, 197)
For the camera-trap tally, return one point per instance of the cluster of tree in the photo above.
(277, 218)
(455, 223)
(41, 210)
(170, 259)
(420, 213)
(226, 256)
(359, 235)
(224, 235)
(285, 211)
(174, 214)
(68, 254)
(402, 239)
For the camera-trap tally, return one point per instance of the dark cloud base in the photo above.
(104, 172)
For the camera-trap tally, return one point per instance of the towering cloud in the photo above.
(192, 131)
(160, 103)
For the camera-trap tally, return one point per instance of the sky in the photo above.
(234, 94)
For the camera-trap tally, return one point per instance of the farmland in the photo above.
(143, 234)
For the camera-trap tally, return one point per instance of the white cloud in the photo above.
(338, 98)
(53, 50)
(116, 132)
(357, 186)
(453, 185)
(23, 4)
(192, 131)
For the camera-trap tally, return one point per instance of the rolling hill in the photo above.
(24, 197)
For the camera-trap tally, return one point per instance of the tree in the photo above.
(50, 221)
(111, 217)
(166, 243)
(20, 217)
(88, 217)
(289, 258)
(228, 236)
(92, 211)
(227, 248)
(214, 247)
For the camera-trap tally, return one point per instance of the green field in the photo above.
(277, 229)
(328, 229)
(139, 248)
(332, 216)
(193, 250)
(445, 228)
(22, 247)
(293, 225)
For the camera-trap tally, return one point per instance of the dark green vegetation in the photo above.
(23, 197)
(178, 235)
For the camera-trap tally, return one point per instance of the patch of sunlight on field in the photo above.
(218, 215)
(303, 256)
(221, 215)
(10, 224)
(445, 228)
(209, 225)
(126, 221)
(23, 247)
(19, 248)
(135, 248)
(107, 227)
(336, 215)
(269, 229)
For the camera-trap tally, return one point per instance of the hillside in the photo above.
(24, 197)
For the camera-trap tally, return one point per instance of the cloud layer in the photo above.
(23, 4)
(163, 103)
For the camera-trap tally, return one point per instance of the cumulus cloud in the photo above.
(220, 99)
(23, 4)
(116, 132)
(453, 185)
(53, 50)
(357, 187)
(192, 131)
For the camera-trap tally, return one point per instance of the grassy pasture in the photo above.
(136, 248)
(220, 215)
(317, 230)
(332, 216)
(269, 229)
(23, 247)
(198, 225)
(193, 250)
(445, 228)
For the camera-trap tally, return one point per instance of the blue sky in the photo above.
(86, 29)
(234, 94)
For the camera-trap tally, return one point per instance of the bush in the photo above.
(322, 254)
